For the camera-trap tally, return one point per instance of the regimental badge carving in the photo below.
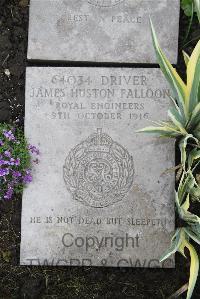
(105, 3)
(99, 171)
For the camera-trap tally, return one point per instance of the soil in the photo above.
(42, 282)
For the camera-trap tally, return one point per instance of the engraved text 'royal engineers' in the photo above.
(101, 195)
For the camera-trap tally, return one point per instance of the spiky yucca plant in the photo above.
(184, 125)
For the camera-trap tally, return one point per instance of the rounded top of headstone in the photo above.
(105, 3)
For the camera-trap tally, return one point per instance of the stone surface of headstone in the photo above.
(100, 194)
(102, 30)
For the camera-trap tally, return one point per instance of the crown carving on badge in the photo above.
(99, 142)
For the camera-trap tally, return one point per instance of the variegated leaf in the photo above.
(175, 243)
(186, 58)
(193, 79)
(193, 232)
(194, 118)
(193, 156)
(194, 268)
(197, 8)
(177, 120)
(183, 145)
(177, 84)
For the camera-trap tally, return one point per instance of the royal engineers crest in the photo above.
(98, 172)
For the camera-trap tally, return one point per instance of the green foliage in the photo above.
(184, 115)
(187, 6)
(191, 6)
(184, 125)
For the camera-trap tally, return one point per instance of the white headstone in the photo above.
(100, 195)
(102, 30)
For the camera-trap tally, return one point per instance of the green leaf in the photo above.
(194, 268)
(193, 79)
(196, 131)
(195, 193)
(177, 120)
(186, 184)
(197, 8)
(182, 145)
(186, 58)
(194, 264)
(177, 84)
(179, 242)
(193, 232)
(175, 105)
(193, 156)
(183, 212)
(195, 118)
(162, 131)
(175, 243)
(186, 5)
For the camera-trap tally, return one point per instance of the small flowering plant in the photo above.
(16, 158)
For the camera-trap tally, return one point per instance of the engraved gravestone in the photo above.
(100, 195)
(102, 30)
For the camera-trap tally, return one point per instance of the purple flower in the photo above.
(4, 172)
(13, 172)
(7, 154)
(16, 174)
(12, 161)
(17, 162)
(27, 177)
(9, 193)
(9, 135)
(3, 162)
(33, 149)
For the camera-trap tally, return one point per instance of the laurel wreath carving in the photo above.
(121, 156)
(126, 163)
(77, 155)
(71, 163)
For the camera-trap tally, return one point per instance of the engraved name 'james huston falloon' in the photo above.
(99, 171)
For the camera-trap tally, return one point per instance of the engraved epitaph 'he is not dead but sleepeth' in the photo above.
(102, 30)
(100, 195)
